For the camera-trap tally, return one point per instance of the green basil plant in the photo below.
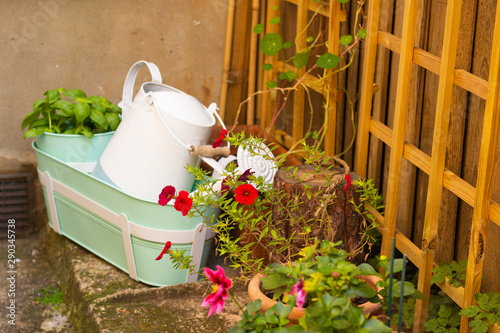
(71, 112)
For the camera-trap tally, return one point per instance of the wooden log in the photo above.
(309, 209)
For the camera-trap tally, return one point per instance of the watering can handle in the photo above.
(128, 87)
(209, 151)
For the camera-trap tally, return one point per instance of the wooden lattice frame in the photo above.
(478, 197)
(335, 15)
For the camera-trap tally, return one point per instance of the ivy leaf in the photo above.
(271, 44)
(345, 40)
(301, 58)
(271, 84)
(274, 20)
(258, 28)
(267, 67)
(328, 61)
(361, 33)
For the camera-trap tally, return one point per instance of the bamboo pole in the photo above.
(227, 58)
(266, 109)
(299, 94)
(333, 48)
(252, 68)
(438, 157)
(367, 88)
(489, 141)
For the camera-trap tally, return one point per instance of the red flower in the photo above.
(165, 249)
(166, 195)
(221, 137)
(183, 203)
(217, 298)
(349, 180)
(246, 194)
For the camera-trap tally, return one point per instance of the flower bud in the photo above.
(335, 275)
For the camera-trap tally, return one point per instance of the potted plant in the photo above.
(71, 126)
(265, 211)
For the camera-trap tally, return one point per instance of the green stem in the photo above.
(235, 301)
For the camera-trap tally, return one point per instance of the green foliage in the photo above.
(275, 319)
(443, 314)
(455, 272)
(82, 115)
(330, 283)
(485, 313)
(50, 295)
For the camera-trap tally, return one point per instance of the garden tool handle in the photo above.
(209, 151)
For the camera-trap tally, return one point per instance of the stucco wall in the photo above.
(91, 45)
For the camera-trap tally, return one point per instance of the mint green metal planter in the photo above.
(126, 231)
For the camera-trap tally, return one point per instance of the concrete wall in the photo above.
(91, 45)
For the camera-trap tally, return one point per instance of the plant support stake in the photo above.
(390, 282)
(401, 295)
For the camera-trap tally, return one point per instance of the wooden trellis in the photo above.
(479, 197)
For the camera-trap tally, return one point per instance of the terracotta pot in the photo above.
(255, 292)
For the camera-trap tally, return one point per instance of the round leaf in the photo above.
(362, 33)
(301, 58)
(287, 45)
(270, 44)
(258, 28)
(267, 67)
(271, 84)
(328, 61)
(274, 20)
(309, 39)
(345, 40)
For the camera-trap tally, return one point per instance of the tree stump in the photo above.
(309, 209)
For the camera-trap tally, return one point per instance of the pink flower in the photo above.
(300, 294)
(183, 203)
(165, 249)
(221, 137)
(166, 195)
(217, 299)
(246, 194)
(349, 180)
